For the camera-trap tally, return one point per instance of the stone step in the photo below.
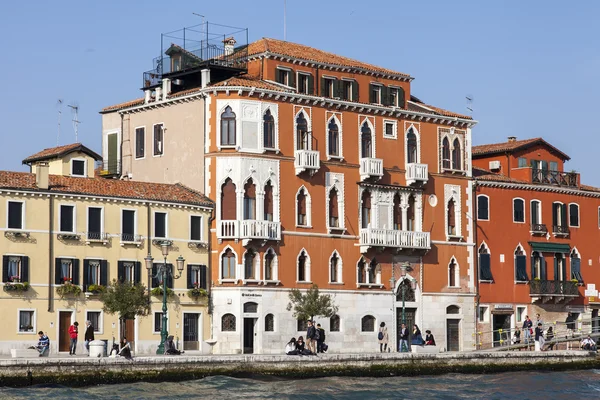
(24, 353)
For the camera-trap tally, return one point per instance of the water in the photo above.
(518, 385)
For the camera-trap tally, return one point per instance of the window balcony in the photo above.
(539, 229)
(416, 173)
(371, 237)
(306, 160)
(557, 178)
(248, 230)
(371, 167)
(553, 290)
(128, 238)
(560, 230)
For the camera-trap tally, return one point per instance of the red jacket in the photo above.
(73, 332)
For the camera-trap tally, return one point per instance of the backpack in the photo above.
(380, 335)
(317, 334)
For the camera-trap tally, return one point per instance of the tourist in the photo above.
(588, 344)
(89, 335)
(320, 339)
(549, 337)
(290, 348)
(383, 338)
(570, 322)
(516, 339)
(43, 345)
(403, 342)
(170, 347)
(429, 339)
(417, 338)
(301, 347)
(125, 350)
(538, 320)
(539, 337)
(527, 329)
(311, 337)
(73, 332)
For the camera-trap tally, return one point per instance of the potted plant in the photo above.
(96, 289)
(158, 291)
(16, 286)
(196, 292)
(68, 289)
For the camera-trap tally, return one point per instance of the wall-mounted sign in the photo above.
(503, 306)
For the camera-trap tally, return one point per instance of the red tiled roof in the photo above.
(174, 193)
(494, 148)
(300, 51)
(481, 174)
(126, 104)
(55, 152)
(416, 105)
(589, 188)
(250, 81)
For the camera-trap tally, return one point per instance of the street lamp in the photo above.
(413, 285)
(163, 272)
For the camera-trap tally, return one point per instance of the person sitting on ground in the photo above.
(429, 339)
(417, 338)
(549, 337)
(588, 344)
(301, 347)
(125, 350)
(290, 348)
(170, 347)
(43, 345)
(516, 339)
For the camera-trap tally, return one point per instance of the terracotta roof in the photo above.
(174, 193)
(55, 152)
(126, 104)
(300, 51)
(250, 81)
(589, 188)
(504, 147)
(417, 105)
(481, 174)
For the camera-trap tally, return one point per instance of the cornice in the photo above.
(537, 188)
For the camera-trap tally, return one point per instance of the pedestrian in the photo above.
(538, 320)
(320, 338)
(527, 329)
(383, 338)
(403, 343)
(550, 337)
(429, 339)
(43, 345)
(311, 336)
(89, 335)
(417, 338)
(300, 346)
(73, 332)
(539, 337)
(516, 339)
(588, 344)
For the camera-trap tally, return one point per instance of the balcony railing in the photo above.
(539, 288)
(97, 236)
(539, 228)
(249, 229)
(371, 167)
(110, 168)
(557, 178)
(560, 230)
(416, 173)
(130, 238)
(306, 160)
(372, 237)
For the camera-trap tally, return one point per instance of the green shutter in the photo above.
(292, 76)
(311, 84)
(401, 98)
(323, 88)
(371, 97)
(338, 89)
(355, 96)
(385, 95)
(24, 269)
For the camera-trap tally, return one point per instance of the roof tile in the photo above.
(494, 148)
(53, 152)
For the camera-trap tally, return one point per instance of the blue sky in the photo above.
(532, 67)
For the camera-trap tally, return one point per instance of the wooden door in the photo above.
(453, 334)
(128, 331)
(64, 322)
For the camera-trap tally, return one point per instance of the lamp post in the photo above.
(163, 272)
(413, 284)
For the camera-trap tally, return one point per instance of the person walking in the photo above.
(403, 343)
(89, 335)
(527, 328)
(311, 341)
(539, 338)
(549, 338)
(320, 339)
(383, 338)
(73, 333)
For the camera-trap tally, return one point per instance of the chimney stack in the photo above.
(512, 138)
(166, 88)
(41, 175)
(229, 44)
(205, 77)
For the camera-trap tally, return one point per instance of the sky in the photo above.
(531, 67)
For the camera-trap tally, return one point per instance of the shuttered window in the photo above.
(94, 228)
(485, 267)
(140, 139)
(573, 215)
(305, 83)
(576, 269)
(15, 269)
(195, 228)
(197, 276)
(518, 210)
(15, 215)
(483, 211)
(67, 218)
(228, 201)
(521, 268)
(160, 225)
(333, 209)
(158, 140)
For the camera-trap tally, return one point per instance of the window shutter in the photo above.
(278, 75)
(542, 268)
(521, 262)
(324, 88)
(190, 282)
(385, 95)
(485, 267)
(75, 276)
(170, 276)
(57, 274)
(103, 272)
(24, 269)
(555, 214)
(5, 276)
(564, 269)
(354, 91)
(86, 273)
(338, 89)
(576, 269)
(311, 84)
(556, 268)
(563, 215)
(371, 97)
(121, 271)
(292, 76)
(203, 277)
(401, 99)
(138, 272)
(533, 275)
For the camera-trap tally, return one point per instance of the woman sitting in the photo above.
(429, 339)
(300, 346)
(290, 348)
(417, 338)
(170, 347)
(125, 350)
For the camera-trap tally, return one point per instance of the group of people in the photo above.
(404, 335)
(315, 342)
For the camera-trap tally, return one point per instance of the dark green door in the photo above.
(112, 162)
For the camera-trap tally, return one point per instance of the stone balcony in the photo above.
(372, 237)
(248, 230)
(306, 160)
(371, 168)
(416, 173)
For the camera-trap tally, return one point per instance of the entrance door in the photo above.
(249, 334)
(128, 331)
(501, 322)
(64, 322)
(190, 331)
(453, 334)
(410, 321)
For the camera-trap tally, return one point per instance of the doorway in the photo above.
(191, 331)
(64, 322)
(128, 331)
(249, 334)
(500, 322)
(410, 314)
(453, 334)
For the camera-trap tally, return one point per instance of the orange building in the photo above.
(325, 170)
(537, 227)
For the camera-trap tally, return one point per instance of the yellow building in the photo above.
(63, 226)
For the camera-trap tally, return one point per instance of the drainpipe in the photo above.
(209, 272)
(50, 252)
(476, 263)
(508, 163)
(121, 148)
(149, 244)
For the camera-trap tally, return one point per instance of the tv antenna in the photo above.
(76, 121)
(469, 99)
(59, 106)
(284, 19)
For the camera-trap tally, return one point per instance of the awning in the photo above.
(548, 247)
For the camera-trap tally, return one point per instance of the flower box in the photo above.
(197, 293)
(158, 292)
(16, 286)
(68, 289)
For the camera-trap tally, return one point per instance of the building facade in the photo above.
(547, 265)
(324, 170)
(70, 233)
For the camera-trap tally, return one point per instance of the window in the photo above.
(393, 96)
(521, 313)
(195, 228)
(302, 135)
(328, 89)
(26, 321)
(520, 265)
(373, 271)
(483, 313)
(249, 260)
(301, 208)
(334, 323)
(367, 323)
(283, 76)
(228, 201)
(334, 138)
(538, 266)
(270, 265)
(67, 218)
(452, 272)
(445, 153)
(197, 276)
(411, 147)
(94, 223)
(228, 264)
(228, 323)
(453, 310)
(451, 211)
(522, 162)
(268, 202)
(334, 268)
(559, 217)
(159, 139)
(366, 209)
(389, 129)
(410, 213)
(160, 225)
(576, 266)
(16, 215)
(305, 83)
(269, 323)
(573, 215)
(158, 322)
(249, 200)
(536, 215)
(128, 226)
(362, 271)
(15, 268)
(375, 94)
(483, 207)
(349, 90)
(95, 318)
(397, 212)
(77, 167)
(518, 210)
(366, 150)
(129, 271)
(268, 130)
(560, 267)
(302, 267)
(66, 270)
(140, 138)
(95, 272)
(485, 261)
(553, 166)
(456, 155)
(228, 127)
(333, 209)
(302, 325)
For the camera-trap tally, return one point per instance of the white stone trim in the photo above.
(453, 192)
(275, 272)
(304, 190)
(339, 118)
(307, 277)
(339, 277)
(415, 126)
(335, 181)
(237, 265)
(371, 123)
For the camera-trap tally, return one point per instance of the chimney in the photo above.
(229, 44)
(147, 96)
(41, 175)
(205, 77)
(166, 87)
(158, 94)
(512, 138)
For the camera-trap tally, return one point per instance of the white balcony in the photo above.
(371, 237)
(306, 160)
(249, 230)
(371, 167)
(416, 173)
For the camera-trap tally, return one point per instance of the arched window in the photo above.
(270, 265)
(301, 209)
(251, 307)
(249, 262)
(451, 218)
(228, 201)
(456, 155)
(302, 139)
(368, 323)
(485, 264)
(366, 209)
(333, 209)
(302, 267)
(411, 147)
(410, 213)
(409, 292)
(518, 210)
(268, 130)
(228, 127)
(397, 213)
(228, 264)
(334, 323)
(574, 215)
(228, 323)
(560, 267)
(520, 265)
(268, 202)
(445, 153)
(576, 266)
(452, 272)
(538, 266)
(453, 310)
(373, 268)
(559, 217)
(334, 138)
(483, 207)
(362, 271)
(366, 150)
(249, 200)
(334, 267)
(269, 323)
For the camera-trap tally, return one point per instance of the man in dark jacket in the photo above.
(321, 338)
(311, 334)
(89, 335)
(403, 343)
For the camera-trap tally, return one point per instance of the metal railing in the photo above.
(371, 167)
(558, 178)
(553, 288)
(539, 228)
(130, 238)
(97, 236)
(416, 173)
(110, 167)
(560, 229)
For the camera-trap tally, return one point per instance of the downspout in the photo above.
(50, 252)
(121, 148)
(148, 216)
(476, 263)
(209, 272)
(508, 163)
